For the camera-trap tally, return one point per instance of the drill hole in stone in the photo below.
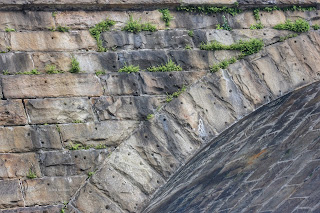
(84, 157)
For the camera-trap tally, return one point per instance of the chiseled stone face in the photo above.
(62, 85)
(10, 193)
(12, 113)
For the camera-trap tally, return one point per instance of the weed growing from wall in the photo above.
(168, 67)
(31, 174)
(32, 72)
(166, 16)
(52, 69)
(190, 33)
(75, 66)
(209, 9)
(129, 69)
(283, 38)
(170, 97)
(100, 28)
(9, 29)
(135, 26)
(223, 64)
(316, 27)
(299, 25)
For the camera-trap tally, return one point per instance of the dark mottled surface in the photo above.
(267, 162)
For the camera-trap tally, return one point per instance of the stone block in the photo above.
(59, 85)
(110, 133)
(18, 165)
(12, 113)
(62, 60)
(128, 161)
(26, 20)
(128, 196)
(92, 62)
(52, 41)
(91, 200)
(121, 84)
(10, 194)
(4, 42)
(131, 108)
(71, 163)
(16, 62)
(36, 209)
(51, 191)
(167, 83)
(29, 138)
(58, 110)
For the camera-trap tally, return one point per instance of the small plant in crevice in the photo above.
(100, 146)
(58, 128)
(129, 69)
(72, 146)
(99, 28)
(257, 26)
(65, 207)
(256, 14)
(100, 72)
(5, 72)
(168, 67)
(245, 47)
(166, 16)
(225, 24)
(170, 97)
(316, 27)
(54, 14)
(218, 27)
(62, 29)
(90, 174)
(32, 72)
(223, 64)
(188, 47)
(204, 9)
(283, 38)
(299, 25)
(135, 26)
(31, 174)
(77, 122)
(75, 66)
(9, 29)
(150, 116)
(190, 33)
(52, 69)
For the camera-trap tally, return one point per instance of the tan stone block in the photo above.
(128, 196)
(110, 133)
(52, 41)
(61, 60)
(50, 191)
(128, 161)
(28, 138)
(4, 43)
(58, 110)
(91, 200)
(270, 19)
(59, 85)
(12, 112)
(18, 165)
(10, 194)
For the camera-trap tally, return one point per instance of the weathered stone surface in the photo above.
(70, 163)
(26, 20)
(92, 200)
(12, 113)
(92, 62)
(58, 110)
(37, 209)
(29, 138)
(121, 84)
(122, 108)
(129, 163)
(110, 133)
(52, 41)
(10, 193)
(16, 62)
(54, 190)
(59, 85)
(167, 83)
(18, 165)
(119, 189)
(62, 60)
(4, 43)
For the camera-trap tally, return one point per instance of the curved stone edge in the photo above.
(144, 162)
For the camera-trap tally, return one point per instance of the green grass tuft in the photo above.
(299, 25)
(129, 69)
(135, 26)
(75, 66)
(168, 67)
(166, 16)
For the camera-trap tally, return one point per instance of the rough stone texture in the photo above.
(10, 193)
(37, 209)
(70, 163)
(58, 110)
(122, 108)
(29, 138)
(52, 190)
(18, 165)
(259, 144)
(52, 41)
(62, 85)
(12, 113)
(110, 133)
(92, 201)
